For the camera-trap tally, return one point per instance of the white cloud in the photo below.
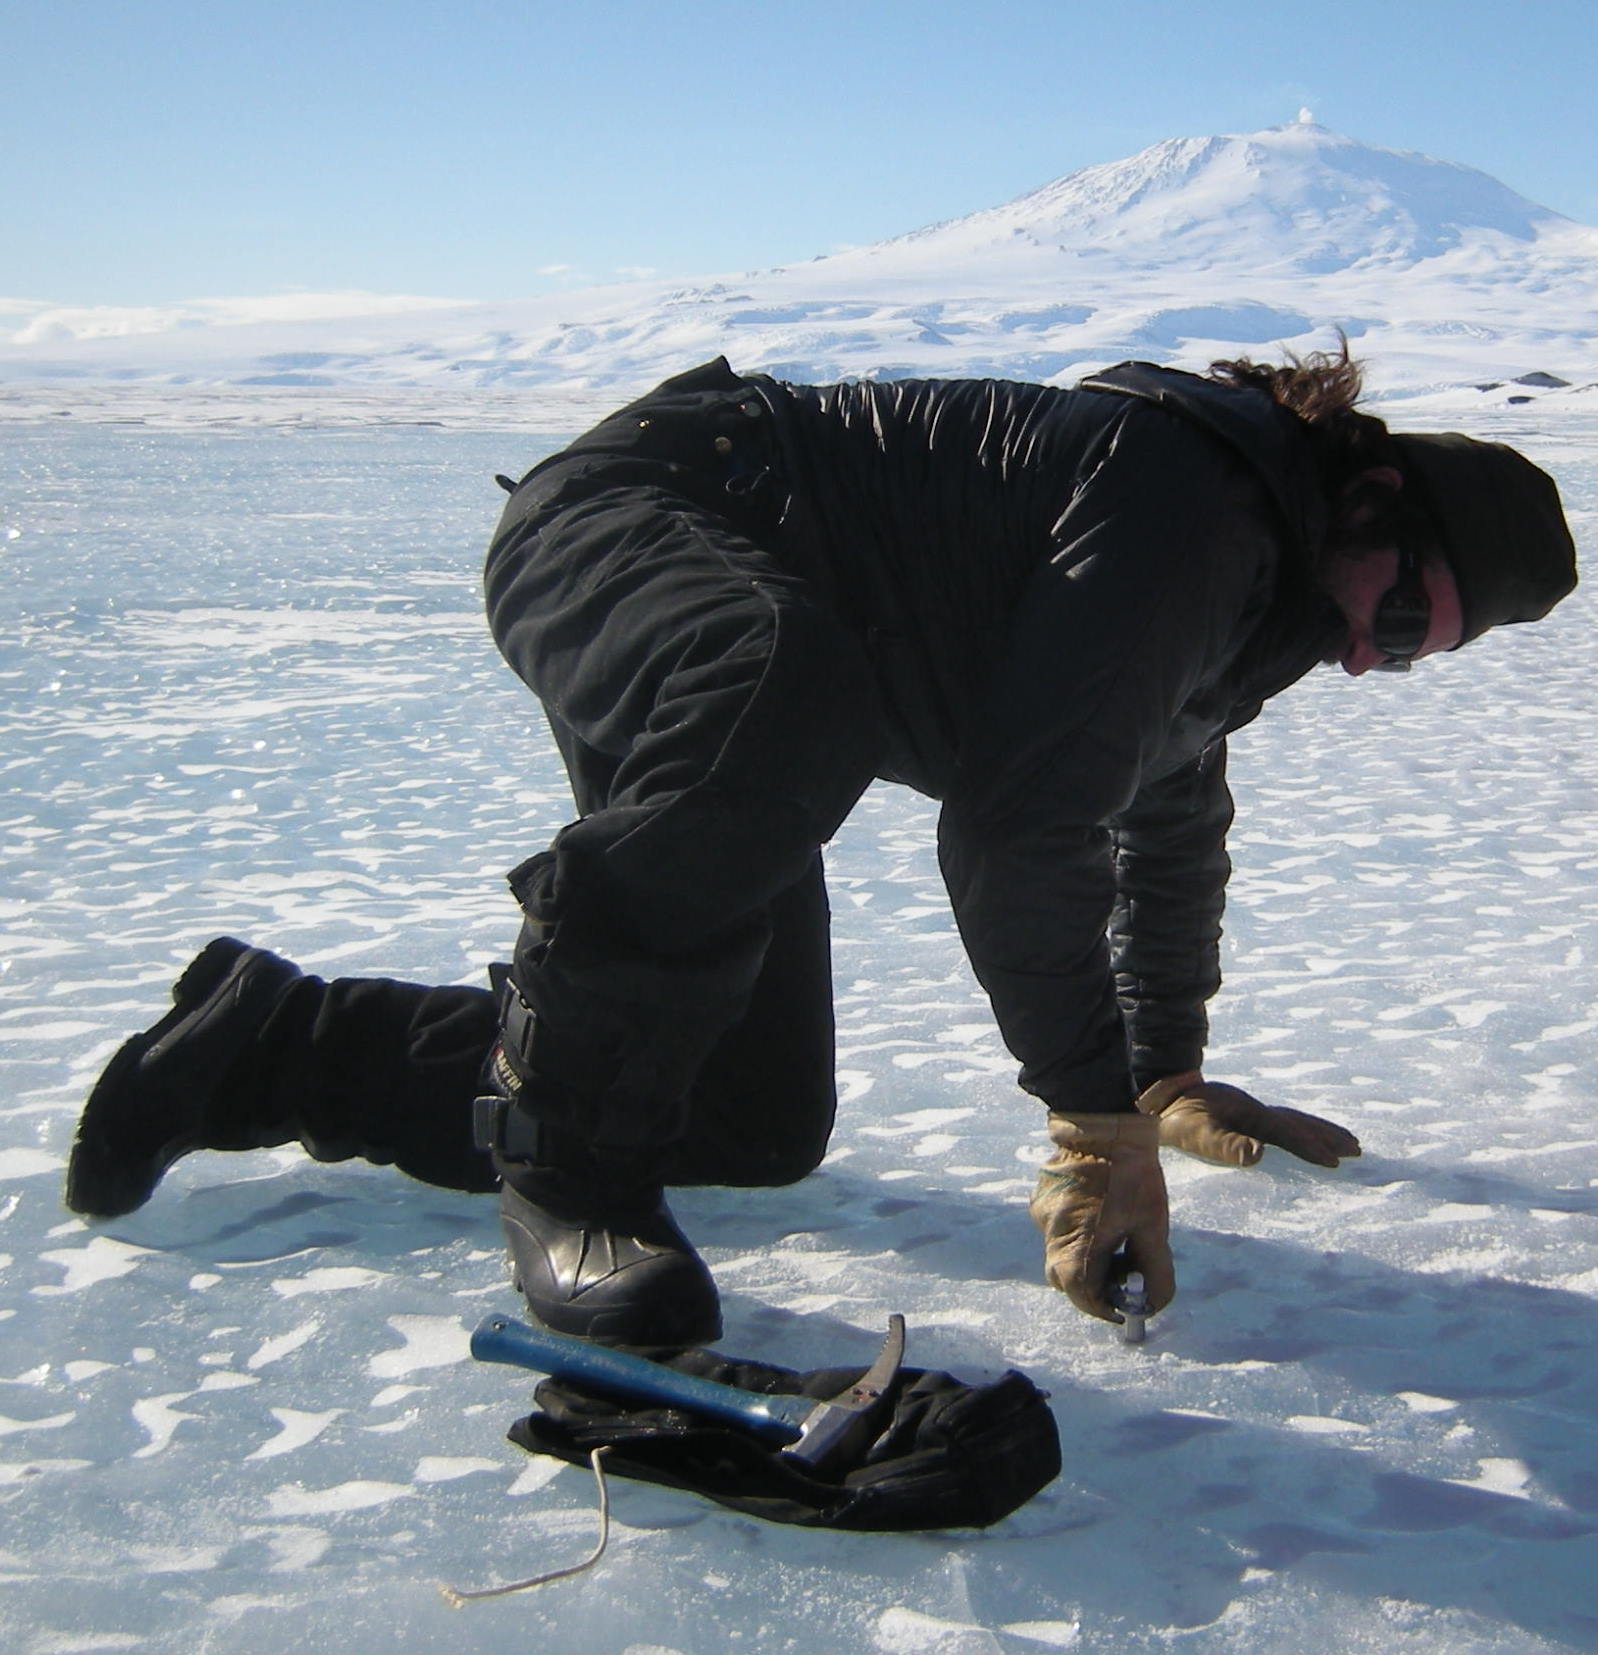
(59, 324)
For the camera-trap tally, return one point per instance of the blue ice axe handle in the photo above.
(616, 1373)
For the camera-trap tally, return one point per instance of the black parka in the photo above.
(1066, 598)
(1071, 596)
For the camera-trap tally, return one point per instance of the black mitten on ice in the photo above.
(950, 1455)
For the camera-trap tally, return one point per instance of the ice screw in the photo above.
(1132, 1301)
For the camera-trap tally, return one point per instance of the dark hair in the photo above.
(1323, 390)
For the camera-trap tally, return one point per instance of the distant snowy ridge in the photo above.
(1321, 201)
(1445, 279)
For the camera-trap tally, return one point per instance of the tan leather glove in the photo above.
(1224, 1124)
(1100, 1194)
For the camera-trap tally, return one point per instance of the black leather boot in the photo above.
(594, 1248)
(617, 1269)
(171, 1089)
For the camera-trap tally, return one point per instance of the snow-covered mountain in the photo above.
(1306, 199)
(1191, 249)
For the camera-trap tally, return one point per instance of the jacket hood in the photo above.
(1268, 438)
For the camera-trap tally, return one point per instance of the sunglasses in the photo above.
(1403, 617)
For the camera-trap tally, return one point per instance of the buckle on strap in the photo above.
(499, 1123)
(501, 1128)
(488, 1121)
(516, 1026)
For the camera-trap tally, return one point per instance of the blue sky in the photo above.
(168, 149)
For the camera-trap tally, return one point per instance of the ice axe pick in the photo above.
(817, 1435)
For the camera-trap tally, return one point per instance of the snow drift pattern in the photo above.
(244, 1420)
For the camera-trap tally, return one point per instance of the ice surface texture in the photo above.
(247, 688)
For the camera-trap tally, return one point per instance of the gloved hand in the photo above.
(1224, 1124)
(1102, 1192)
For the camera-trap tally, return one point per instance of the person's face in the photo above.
(1357, 583)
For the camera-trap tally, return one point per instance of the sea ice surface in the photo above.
(248, 690)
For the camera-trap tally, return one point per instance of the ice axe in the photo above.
(816, 1435)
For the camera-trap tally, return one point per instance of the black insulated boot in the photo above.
(615, 1270)
(166, 1091)
(594, 1249)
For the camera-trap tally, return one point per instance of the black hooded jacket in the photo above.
(1071, 596)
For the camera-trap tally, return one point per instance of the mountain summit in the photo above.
(1315, 200)
(1192, 249)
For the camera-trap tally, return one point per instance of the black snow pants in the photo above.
(718, 720)
(386, 1071)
